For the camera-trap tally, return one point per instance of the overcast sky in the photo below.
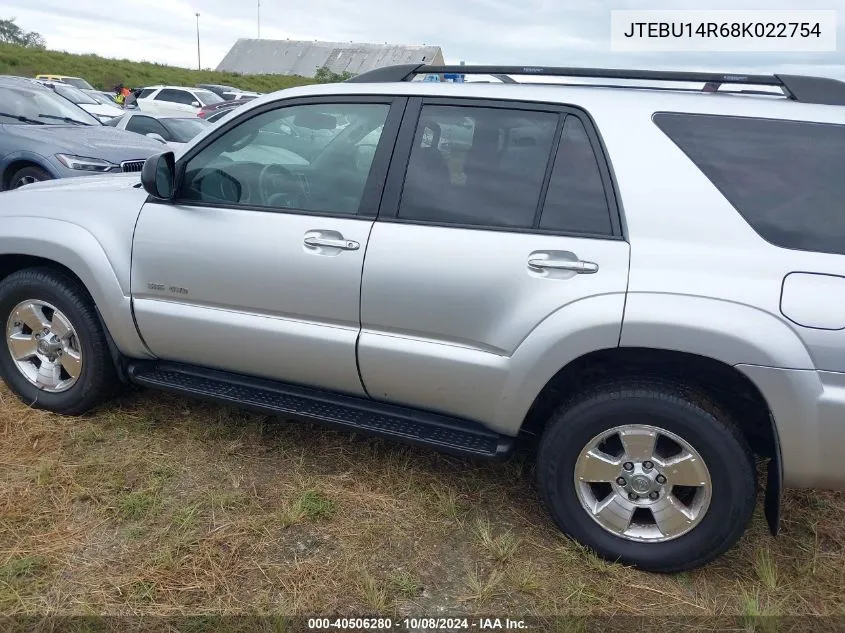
(535, 32)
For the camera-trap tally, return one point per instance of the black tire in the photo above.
(680, 410)
(97, 380)
(19, 178)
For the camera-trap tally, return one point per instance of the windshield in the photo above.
(74, 95)
(41, 105)
(183, 130)
(208, 97)
(76, 82)
(99, 97)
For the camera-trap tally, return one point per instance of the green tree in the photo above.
(11, 33)
(326, 76)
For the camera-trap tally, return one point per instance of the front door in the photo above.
(502, 229)
(256, 267)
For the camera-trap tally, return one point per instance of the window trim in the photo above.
(371, 198)
(396, 177)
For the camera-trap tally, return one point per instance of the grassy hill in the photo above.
(104, 73)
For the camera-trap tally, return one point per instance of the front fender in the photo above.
(78, 250)
(30, 157)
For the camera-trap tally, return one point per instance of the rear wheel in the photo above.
(27, 176)
(650, 474)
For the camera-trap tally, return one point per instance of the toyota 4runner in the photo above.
(648, 281)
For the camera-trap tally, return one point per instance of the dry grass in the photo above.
(161, 505)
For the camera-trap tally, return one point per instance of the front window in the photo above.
(184, 130)
(30, 105)
(296, 157)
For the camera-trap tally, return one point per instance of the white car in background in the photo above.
(175, 131)
(103, 112)
(175, 100)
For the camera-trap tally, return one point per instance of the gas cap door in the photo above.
(814, 300)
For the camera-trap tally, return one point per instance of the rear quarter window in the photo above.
(786, 178)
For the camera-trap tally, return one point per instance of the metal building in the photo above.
(288, 57)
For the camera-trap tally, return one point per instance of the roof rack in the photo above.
(802, 88)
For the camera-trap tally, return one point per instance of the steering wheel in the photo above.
(279, 187)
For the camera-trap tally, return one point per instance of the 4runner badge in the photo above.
(176, 290)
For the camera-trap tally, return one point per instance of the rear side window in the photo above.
(576, 201)
(786, 178)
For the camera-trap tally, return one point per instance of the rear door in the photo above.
(496, 215)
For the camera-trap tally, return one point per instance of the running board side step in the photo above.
(412, 426)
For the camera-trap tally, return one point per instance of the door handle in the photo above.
(346, 245)
(577, 266)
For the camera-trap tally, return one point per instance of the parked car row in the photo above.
(44, 135)
(55, 126)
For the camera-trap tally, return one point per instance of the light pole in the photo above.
(199, 61)
(259, 19)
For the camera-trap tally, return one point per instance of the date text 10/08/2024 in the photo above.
(416, 624)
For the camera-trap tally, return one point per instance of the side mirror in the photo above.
(156, 136)
(159, 176)
(196, 104)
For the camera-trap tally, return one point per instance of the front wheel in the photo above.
(28, 176)
(55, 355)
(649, 474)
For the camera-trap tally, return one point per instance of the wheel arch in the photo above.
(722, 382)
(17, 161)
(28, 242)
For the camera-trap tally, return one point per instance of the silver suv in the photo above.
(646, 282)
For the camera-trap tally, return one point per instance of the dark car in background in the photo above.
(44, 136)
(218, 89)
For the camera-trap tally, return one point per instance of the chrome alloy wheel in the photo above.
(643, 483)
(44, 346)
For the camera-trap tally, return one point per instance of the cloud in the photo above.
(535, 32)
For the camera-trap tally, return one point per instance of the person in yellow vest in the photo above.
(120, 94)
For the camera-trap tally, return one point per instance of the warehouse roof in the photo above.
(289, 57)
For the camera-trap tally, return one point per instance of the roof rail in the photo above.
(803, 88)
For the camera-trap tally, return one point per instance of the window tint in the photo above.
(299, 157)
(146, 92)
(146, 125)
(175, 96)
(784, 177)
(575, 201)
(477, 166)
